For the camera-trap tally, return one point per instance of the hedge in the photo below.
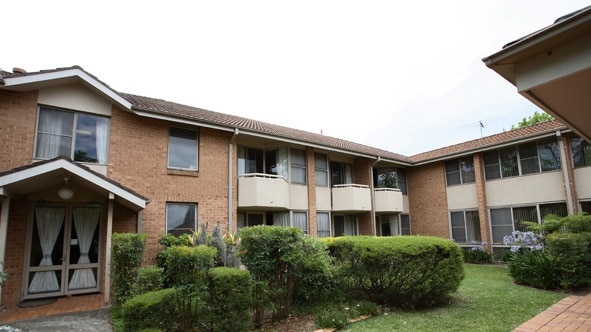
(409, 271)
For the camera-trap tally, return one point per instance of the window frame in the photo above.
(171, 149)
(581, 152)
(184, 230)
(294, 166)
(325, 232)
(300, 214)
(467, 216)
(321, 170)
(75, 136)
(463, 167)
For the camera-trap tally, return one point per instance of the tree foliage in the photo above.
(536, 118)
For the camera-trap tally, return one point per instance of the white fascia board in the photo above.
(65, 74)
(76, 170)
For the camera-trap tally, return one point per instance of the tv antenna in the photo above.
(482, 124)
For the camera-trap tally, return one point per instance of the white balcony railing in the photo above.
(263, 190)
(388, 200)
(351, 197)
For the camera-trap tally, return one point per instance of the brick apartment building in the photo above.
(80, 161)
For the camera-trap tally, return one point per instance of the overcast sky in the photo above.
(402, 76)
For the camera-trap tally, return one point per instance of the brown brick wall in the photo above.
(15, 251)
(428, 200)
(138, 159)
(18, 113)
(311, 177)
(482, 202)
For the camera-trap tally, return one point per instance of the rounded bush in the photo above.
(411, 271)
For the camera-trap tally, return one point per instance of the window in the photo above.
(298, 166)
(345, 225)
(278, 218)
(586, 207)
(528, 158)
(506, 220)
(323, 224)
(250, 219)
(181, 218)
(272, 161)
(405, 224)
(465, 226)
(321, 168)
(394, 224)
(182, 149)
(390, 177)
(80, 136)
(341, 173)
(460, 171)
(300, 220)
(581, 151)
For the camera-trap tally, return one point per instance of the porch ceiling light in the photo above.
(65, 192)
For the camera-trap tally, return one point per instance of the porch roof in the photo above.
(22, 181)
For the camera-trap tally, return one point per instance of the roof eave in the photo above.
(51, 78)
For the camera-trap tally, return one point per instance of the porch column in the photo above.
(107, 294)
(3, 233)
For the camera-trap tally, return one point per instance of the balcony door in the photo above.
(63, 251)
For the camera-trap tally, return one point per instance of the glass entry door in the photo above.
(64, 251)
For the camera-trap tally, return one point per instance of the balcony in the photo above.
(351, 198)
(388, 200)
(263, 191)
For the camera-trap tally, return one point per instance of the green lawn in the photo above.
(486, 301)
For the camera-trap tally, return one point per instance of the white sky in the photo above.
(402, 76)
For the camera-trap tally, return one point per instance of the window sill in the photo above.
(182, 172)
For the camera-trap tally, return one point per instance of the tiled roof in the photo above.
(221, 119)
(490, 141)
(172, 109)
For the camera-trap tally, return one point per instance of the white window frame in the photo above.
(325, 232)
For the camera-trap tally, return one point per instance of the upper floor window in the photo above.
(272, 161)
(181, 218)
(80, 136)
(390, 177)
(581, 151)
(341, 173)
(528, 158)
(321, 168)
(182, 149)
(298, 166)
(458, 171)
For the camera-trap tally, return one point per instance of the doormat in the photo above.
(35, 303)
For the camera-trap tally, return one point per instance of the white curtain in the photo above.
(49, 224)
(281, 219)
(300, 220)
(54, 132)
(282, 162)
(102, 136)
(85, 220)
(394, 225)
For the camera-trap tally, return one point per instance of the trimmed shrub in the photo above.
(477, 254)
(533, 268)
(411, 271)
(184, 265)
(572, 254)
(127, 251)
(230, 299)
(149, 279)
(155, 310)
(278, 258)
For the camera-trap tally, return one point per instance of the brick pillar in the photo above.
(311, 175)
(482, 204)
(567, 162)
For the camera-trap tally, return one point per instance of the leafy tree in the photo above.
(533, 119)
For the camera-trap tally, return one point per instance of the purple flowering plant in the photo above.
(523, 240)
